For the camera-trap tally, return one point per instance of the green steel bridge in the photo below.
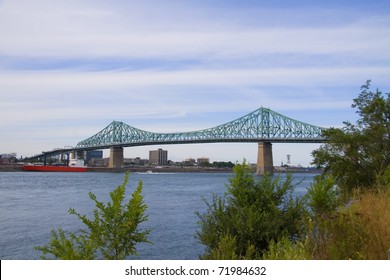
(260, 126)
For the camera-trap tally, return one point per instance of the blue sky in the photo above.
(68, 68)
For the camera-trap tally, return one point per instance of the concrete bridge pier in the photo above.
(264, 159)
(116, 157)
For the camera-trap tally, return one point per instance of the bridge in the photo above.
(262, 126)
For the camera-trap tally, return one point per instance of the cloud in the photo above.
(304, 76)
(74, 66)
(205, 45)
(79, 29)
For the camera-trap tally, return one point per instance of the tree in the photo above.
(253, 212)
(113, 232)
(358, 155)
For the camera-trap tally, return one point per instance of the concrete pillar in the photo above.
(264, 159)
(116, 157)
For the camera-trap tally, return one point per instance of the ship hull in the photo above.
(50, 168)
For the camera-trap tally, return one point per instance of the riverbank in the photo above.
(141, 169)
(167, 169)
(11, 168)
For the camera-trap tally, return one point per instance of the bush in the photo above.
(286, 249)
(253, 212)
(113, 232)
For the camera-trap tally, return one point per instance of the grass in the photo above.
(359, 231)
(372, 210)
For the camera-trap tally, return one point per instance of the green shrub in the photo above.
(113, 232)
(253, 212)
(286, 249)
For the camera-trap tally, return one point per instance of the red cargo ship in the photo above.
(52, 168)
(75, 165)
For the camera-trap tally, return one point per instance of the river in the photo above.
(32, 204)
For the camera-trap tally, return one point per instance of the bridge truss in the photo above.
(261, 125)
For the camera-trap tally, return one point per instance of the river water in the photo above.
(32, 204)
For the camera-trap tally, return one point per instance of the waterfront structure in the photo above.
(158, 157)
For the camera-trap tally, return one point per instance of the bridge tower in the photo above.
(264, 159)
(116, 157)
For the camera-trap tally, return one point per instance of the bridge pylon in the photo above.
(116, 157)
(265, 163)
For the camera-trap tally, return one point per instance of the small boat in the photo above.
(146, 172)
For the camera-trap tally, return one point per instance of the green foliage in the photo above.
(226, 250)
(286, 249)
(356, 158)
(384, 179)
(72, 248)
(322, 200)
(352, 220)
(253, 212)
(322, 196)
(223, 164)
(113, 231)
(358, 154)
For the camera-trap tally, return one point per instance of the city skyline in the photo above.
(68, 68)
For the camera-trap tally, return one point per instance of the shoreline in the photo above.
(143, 169)
(165, 169)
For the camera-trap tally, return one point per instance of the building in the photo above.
(136, 161)
(158, 157)
(189, 161)
(203, 161)
(7, 158)
(11, 155)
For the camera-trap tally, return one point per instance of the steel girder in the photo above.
(259, 126)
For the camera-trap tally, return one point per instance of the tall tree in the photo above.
(358, 155)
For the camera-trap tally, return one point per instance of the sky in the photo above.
(70, 67)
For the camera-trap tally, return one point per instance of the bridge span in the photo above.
(262, 126)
